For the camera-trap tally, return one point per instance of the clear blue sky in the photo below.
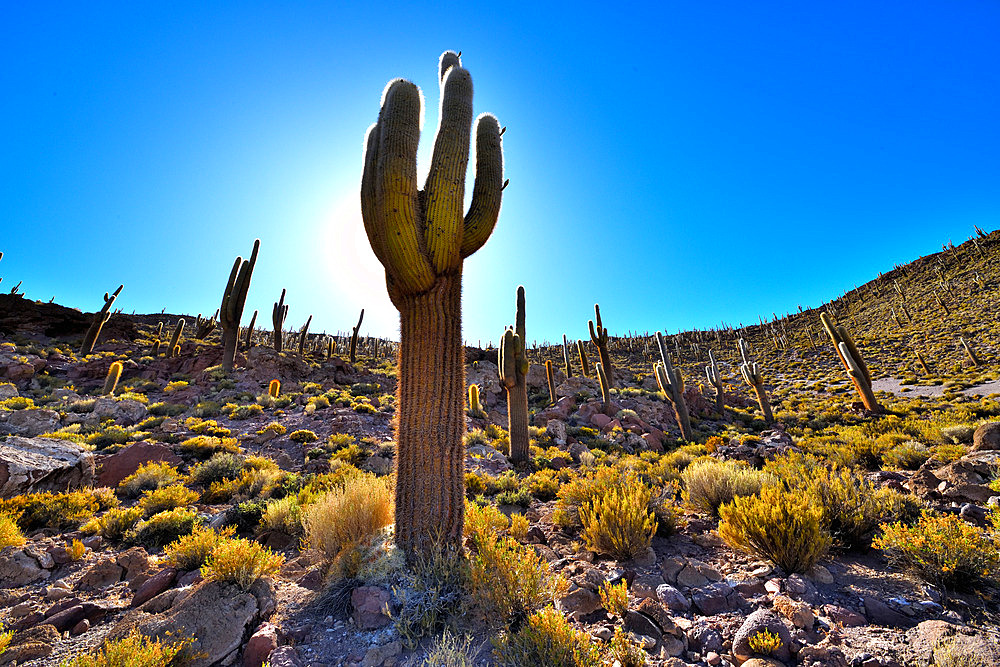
(682, 163)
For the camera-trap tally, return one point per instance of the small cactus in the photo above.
(303, 334)
(475, 407)
(248, 340)
(970, 352)
(551, 381)
(111, 381)
(602, 379)
(354, 337)
(274, 388)
(100, 319)
(175, 349)
(566, 362)
(584, 364)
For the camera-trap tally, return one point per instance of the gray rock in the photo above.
(671, 598)
(717, 598)
(755, 623)
(30, 423)
(43, 464)
(123, 411)
(879, 613)
(7, 390)
(986, 437)
(580, 602)
(19, 568)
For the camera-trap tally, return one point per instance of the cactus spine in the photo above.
(100, 319)
(599, 336)
(354, 337)
(234, 298)
(584, 364)
(672, 385)
(712, 372)
(422, 237)
(853, 362)
(755, 380)
(175, 338)
(551, 381)
(111, 381)
(513, 366)
(278, 315)
(274, 388)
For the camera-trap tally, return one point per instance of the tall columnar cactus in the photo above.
(581, 350)
(203, 328)
(922, 362)
(714, 377)
(100, 319)
(755, 380)
(175, 339)
(602, 380)
(111, 381)
(566, 361)
(156, 340)
(234, 298)
(248, 339)
(969, 351)
(278, 315)
(551, 380)
(672, 385)
(853, 362)
(513, 364)
(354, 337)
(303, 334)
(600, 338)
(422, 237)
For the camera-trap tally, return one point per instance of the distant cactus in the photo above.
(755, 380)
(715, 378)
(155, 350)
(100, 319)
(234, 298)
(278, 315)
(475, 407)
(566, 362)
(175, 349)
(969, 351)
(421, 237)
(672, 385)
(513, 366)
(853, 362)
(922, 362)
(584, 364)
(551, 381)
(111, 381)
(203, 328)
(600, 338)
(248, 340)
(303, 334)
(274, 388)
(354, 337)
(602, 379)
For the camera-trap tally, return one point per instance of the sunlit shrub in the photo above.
(115, 524)
(709, 484)
(204, 446)
(147, 477)
(241, 562)
(163, 528)
(349, 515)
(191, 551)
(619, 523)
(135, 650)
(547, 639)
(10, 534)
(166, 498)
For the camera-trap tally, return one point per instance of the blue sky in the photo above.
(680, 163)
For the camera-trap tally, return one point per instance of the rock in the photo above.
(218, 615)
(843, 616)
(671, 598)
(28, 465)
(986, 437)
(704, 639)
(795, 611)
(557, 431)
(370, 607)
(580, 602)
(382, 655)
(755, 623)
(31, 644)
(762, 662)
(939, 642)
(285, 656)
(121, 464)
(18, 568)
(261, 645)
(820, 575)
(716, 599)
(652, 608)
(600, 420)
(80, 627)
(643, 625)
(67, 618)
(7, 390)
(155, 585)
(135, 562)
(880, 613)
(690, 576)
(821, 655)
(30, 423)
(102, 574)
(124, 411)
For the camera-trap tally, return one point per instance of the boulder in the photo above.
(101, 574)
(986, 437)
(43, 464)
(19, 568)
(30, 423)
(30, 644)
(263, 642)
(155, 585)
(124, 462)
(370, 607)
(123, 411)
(755, 623)
(939, 642)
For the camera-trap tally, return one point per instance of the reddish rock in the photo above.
(370, 605)
(101, 575)
(121, 464)
(134, 561)
(654, 440)
(260, 646)
(67, 618)
(843, 616)
(155, 585)
(600, 420)
(80, 627)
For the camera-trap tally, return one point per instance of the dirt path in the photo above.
(893, 385)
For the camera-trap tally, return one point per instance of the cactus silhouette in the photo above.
(278, 315)
(672, 385)
(354, 337)
(422, 237)
(853, 362)
(100, 319)
(513, 366)
(600, 340)
(755, 380)
(111, 381)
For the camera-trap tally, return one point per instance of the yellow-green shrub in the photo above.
(614, 598)
(547, 638)
(147, 477)
(166, 498)
(135, 650)
(625, 652)
(284, 515)
(708, 484)
(619, 522)
(191, 551)
(204, 446)
(114, 524)
(241, 562)
(10, 534)
(349, 515)
(61, 511)
(943, 550)
(786, 527)
(163, 528)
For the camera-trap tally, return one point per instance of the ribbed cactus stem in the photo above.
(100, 319)
(715, 378)
(274, 388)
(854, 363)
(175, 339)
(248, 340)
(111, 381)
(599, 336)
(922, 362)
(755, 380)
(278, 314)
(422, 237)
(969, 351)
(581, 350)
(602, 379)
(475, 407)
(513, 367)
(354, 337)
(566, 362)
(551, 381)
(234, 298)
(304, 334)
(672, 385)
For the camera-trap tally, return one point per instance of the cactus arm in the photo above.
(487, 191)
(371, 212)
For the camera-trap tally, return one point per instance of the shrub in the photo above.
(134, 650)
(547, 639)
(61, 511)
(852, 508)
(302, 436)
(433, 591)
(349, 515)
(284, 515)
(115, 524)
(166, 498)
(204, 446)
(163, 528)
(624, 651)
(943, 550)
(709, 484)
(619, 523)
(764, 642)
(583, 489)
(191, 551)
(112, 435)
(241, 562)
(222, 466)
(909, 455)
(958, 434)
(519, 526)
(668, 515)
(17, 403)
(274, 427)
(450, 651)
(10, 534)
(167, 409)
(246, 516)
(242, 411)
(148, 477)
(786, 527)
(614, 598)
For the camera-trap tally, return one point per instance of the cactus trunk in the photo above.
(430, 492)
